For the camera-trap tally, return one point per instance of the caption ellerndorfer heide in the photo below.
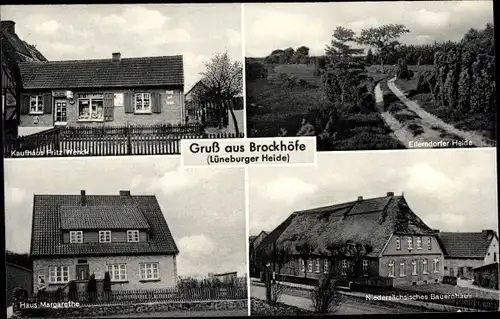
(249, 152)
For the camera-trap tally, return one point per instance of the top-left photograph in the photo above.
(106, 80)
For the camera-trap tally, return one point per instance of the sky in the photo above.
(450, 190)
(208, 226)
(73, 32)
(270, 26)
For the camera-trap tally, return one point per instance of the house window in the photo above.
(436, 265)
(143, 102)
(317, 264)
(309, 266)
(60, 111)
(429, 243)
(365, 267)
(419, 242)
(105, 236)
(302, 265)
(132, 236)
(425, 266)
(402, 269)
(117, 272)
(494, 257)
(150, 271)
(410, 243)
(344, 267)
(76, 237)
(398, 243)
(91, 107)
(36, 104)
(392, 271)
(325, 266)
(58, 274)
(414, 269)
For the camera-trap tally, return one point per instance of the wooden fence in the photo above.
(145, 296)
(106, 141)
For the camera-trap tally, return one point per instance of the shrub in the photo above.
(73, 290)
(92, 287)
(325, 297)
(416, 129)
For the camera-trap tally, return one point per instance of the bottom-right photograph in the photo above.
(374, 233)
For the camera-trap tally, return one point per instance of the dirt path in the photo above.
(402, 134)
(434, 122)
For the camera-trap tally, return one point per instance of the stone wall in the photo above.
(105, 310)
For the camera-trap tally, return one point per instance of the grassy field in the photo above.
(272, 105)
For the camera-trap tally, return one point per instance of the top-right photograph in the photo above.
(372, 75)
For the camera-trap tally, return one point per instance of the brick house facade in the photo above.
(109, 92)
(75, 236)
(402, 248)
(465, 251)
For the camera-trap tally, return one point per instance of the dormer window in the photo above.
(410, 243)
(105, 236)
(76, 237)
(132, 236)
(419, 242)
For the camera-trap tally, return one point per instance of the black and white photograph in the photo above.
(94, 237)
(375, 233)
(119, 79)
(372, 75)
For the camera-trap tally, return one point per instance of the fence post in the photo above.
(129, 140)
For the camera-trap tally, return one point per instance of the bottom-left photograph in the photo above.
(135, 236)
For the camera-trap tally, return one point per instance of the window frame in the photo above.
(436, 265)
(402, 266)
(73, 234)
(143, 110)
(392, 269)
(63, 271)
(130, 233)
(310, 267)
(429, 243)
(414, 268)
(398, 243)
(425, 266)
(116, 269)
(144, 265)
(364, 267)
(326, 266)
(302, 265)
(410, 242)
(318, 264)
(105, 232)
(419, 242)
(61, 121)
(39, 104)
(90, 97)
(344, 267)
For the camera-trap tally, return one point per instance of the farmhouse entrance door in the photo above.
(82, 272)
(60, 112)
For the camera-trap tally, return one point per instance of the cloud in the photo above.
(48, 27)
(233, 37)
(197, 244)
(287, 189)
(428, 180)
(136, 19)
(15, 195)
(430, 19)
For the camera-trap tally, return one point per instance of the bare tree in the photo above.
(223, 80)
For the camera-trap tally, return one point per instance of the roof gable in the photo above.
(163, 71)
(102, 217)
(369, 221)
(46, 237)
(467, 245)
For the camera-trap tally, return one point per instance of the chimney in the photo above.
(488, 233)
(360, 198)
(116, 57)
(9, 26)
(83, 198)
(124, 193)
(390, 194)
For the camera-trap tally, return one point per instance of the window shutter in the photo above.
(128, 102)
(25, 103)
(47, 103)
(156, 102)
(108, 107)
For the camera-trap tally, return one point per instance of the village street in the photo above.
(349, 305)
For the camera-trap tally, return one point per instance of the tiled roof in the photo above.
(16, 50)
(369, 221)
(101, 217)
(46, 228)
(128, 72)
(466, 245)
